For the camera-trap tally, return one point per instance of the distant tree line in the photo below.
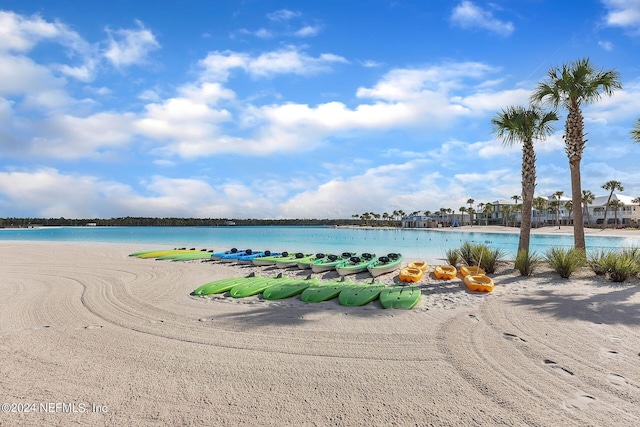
(168, 222)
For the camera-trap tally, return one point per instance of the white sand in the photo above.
(85, 324)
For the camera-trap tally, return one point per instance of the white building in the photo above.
(628, 213)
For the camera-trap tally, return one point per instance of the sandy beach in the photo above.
(90, 336)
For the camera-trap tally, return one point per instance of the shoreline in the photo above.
(85, 323)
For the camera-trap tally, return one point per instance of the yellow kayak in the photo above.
(409, 274)
(471, 270)
(479, 283)
(445, 272)
(422, 265)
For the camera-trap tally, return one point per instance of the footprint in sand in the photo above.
(615, 339)
(513, 337)
(609, 354)
(580, 401)
(92, 327)
(553, 364)
(473, 317)
(620, 380)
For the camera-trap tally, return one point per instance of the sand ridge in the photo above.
(84, 323)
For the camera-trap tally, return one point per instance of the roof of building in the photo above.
(602, 200)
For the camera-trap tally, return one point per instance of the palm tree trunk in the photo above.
(574, 145)
(528, 188)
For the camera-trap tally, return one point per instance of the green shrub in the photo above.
(526, 262)
(487, 257)
(565, 261)
(466, 252)
(623, 265)
(600, 261)
(453, 257)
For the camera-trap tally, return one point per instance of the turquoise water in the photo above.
(428, 244)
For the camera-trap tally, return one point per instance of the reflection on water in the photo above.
(428, 244)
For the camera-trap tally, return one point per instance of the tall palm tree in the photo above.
(612, 186)
(504, 210)
(568, 205)
(524, 125)
(615, 204)
(487, 209)
(462, 210)
(587, 198)
(571, 86)
(635, 133)
(539, 204)
(470, 203)
(557, 195)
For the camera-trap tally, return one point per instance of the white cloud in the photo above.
(468, 15)
(606, 45)
(130, 47)
(307, 31)
(283, 15)
(20, 34)
(70, 137)
(290, 60)
(623, 13)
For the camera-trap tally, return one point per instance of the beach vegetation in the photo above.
(600, 261)
(618, 266)
(624, 265)
(481, 255)
(453, 257)
(587, 198)
(466, 252)
(571, 86)
(635, 132)
(526, 262)
(612, 186)
(524, 125)
(565, 261)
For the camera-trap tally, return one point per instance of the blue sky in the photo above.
(285, 109)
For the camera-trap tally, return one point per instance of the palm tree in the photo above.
(539, 204)
(568, 205)
(504, 210)
(462, 210)
(635, 133)
(522, 125)
(587, 198)
(470, 203)
(487, 209)
(612, 186)
(615, 204)
(472, 214)
(571, 86)
(557, 195)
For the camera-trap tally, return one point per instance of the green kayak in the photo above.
(400, 297)
(385, 264)
(288, 289)
(220, 286)
(256, 287)
(157, 254)
(270, 260)
(189, 257)
(359, 295)
(292, 260)
(355, 264)
(329, 262)
(324, 291)
(305, 263)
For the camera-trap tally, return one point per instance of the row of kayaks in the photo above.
(345, 263)
(312, 290)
